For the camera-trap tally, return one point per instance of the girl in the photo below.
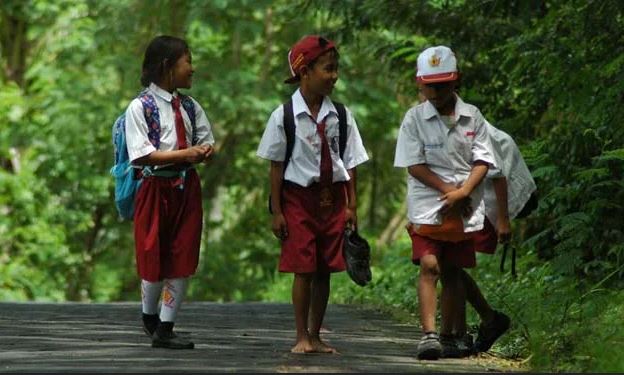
(167, 133)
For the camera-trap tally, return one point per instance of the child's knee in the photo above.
(429, 267)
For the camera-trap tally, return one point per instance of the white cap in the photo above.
(436, 64)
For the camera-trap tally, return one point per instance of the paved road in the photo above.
(241, 337)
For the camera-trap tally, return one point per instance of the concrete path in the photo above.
(237, 337)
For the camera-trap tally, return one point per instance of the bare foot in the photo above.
(302, 347)
(320, 347)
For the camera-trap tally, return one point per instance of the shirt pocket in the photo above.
(308, 138)
(462, 147)
(436, 152)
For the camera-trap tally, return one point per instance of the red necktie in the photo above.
(179, 123)
(326, 178)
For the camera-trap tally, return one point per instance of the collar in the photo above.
(300, 106)
(461, 109)
(164, 94)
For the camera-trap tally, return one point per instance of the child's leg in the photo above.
(449, 299)
(318, 306)
(427, 293)
(172, 297)
(476, 298)
(459, 322)
(150, 294)
(450, 302)
(301, 294)
(173, 294)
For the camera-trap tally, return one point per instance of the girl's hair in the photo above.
(160, 56)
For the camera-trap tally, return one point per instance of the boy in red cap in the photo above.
(444, 145)
(313, 179)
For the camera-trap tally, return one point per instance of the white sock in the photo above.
(172, 296)
(150, 292)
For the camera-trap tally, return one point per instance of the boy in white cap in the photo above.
(444, 145)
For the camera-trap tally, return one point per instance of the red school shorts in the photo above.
(486, 239)
(167, 227)
(315, 238)
(460, 254)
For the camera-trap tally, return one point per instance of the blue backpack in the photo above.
(127, 181)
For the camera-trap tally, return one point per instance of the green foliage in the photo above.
(548, 73)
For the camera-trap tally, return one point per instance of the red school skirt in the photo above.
(315, 236)
(167, 227)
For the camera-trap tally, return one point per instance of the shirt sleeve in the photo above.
(481, 146)
(137, 140)
(355, 153)
(409, 146)
(273, 143)
(495, 142)
(203, 128)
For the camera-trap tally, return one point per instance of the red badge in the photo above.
(470, 134)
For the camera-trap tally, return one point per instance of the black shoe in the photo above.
(429, 346)
(464, 345)
(489, 333)
(150, 323)
(170, 340)
(449, 346)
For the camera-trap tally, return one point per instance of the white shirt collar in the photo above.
(300, 106)
(461, 109)
(164, 94)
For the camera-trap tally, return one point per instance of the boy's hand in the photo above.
(279, 227)
(351, 218)
(504, 229)
(452, 200)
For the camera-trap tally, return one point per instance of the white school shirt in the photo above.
(136, 125)
(449, 152)
(304, 165)
(520, 183)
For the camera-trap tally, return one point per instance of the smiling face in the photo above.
(320, 77)
(182, 72)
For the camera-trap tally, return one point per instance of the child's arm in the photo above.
(503, 226)
(423, 174)
(477, 174)
(351, 213)
(278, 225)
(195, 154)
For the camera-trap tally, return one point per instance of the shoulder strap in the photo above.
(342, 127)
(189, 107)
(289, 129)
(150, 111)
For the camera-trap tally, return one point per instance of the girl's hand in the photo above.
(196, 154)
(279, 227)
(209, 153)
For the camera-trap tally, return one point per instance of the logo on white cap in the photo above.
(436, 64)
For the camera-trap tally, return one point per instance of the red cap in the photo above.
(306, 50)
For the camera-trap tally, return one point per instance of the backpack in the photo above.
(289, 129)
(529, 206)
(127, 180)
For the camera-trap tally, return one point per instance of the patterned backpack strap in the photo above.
(152, 117)
(189, 107)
